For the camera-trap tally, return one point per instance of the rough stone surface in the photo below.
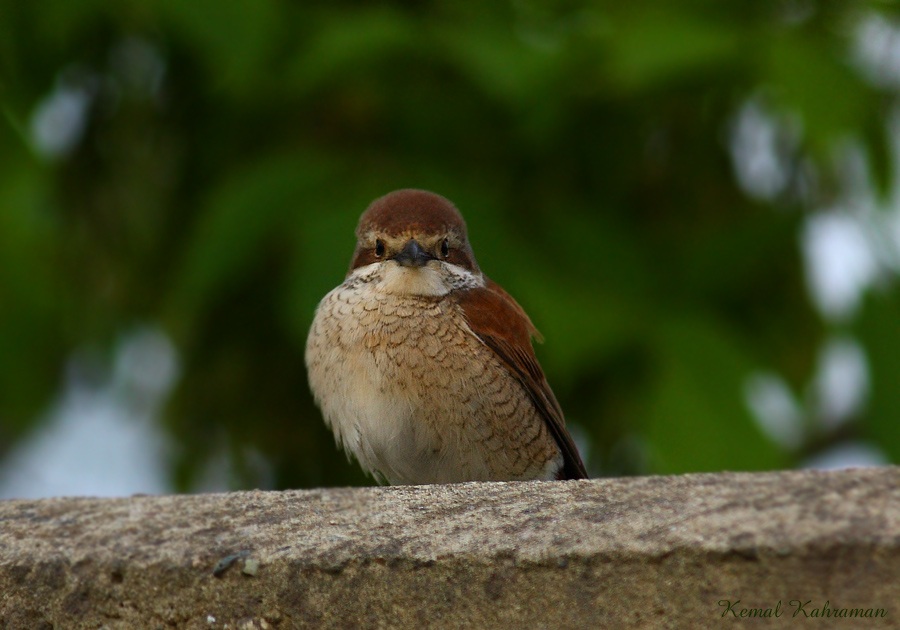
(618, 553)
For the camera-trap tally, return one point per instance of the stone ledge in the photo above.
(621, 553)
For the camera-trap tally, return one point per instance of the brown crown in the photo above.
(411, 211)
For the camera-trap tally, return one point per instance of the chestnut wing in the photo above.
(504, 327)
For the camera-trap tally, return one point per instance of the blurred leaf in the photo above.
(696, 416)
(878, 328)
(348, 44)
(581, 280)
(877, 137)
(815, 82)
(30, 334)
(325, 241)
(237, 218)
(235, 38)
(738, 253)
(649, 47)
(502, 63)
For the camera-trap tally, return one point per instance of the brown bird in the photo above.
(423, 367)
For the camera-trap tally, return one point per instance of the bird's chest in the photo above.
(390, 374)
(400, 344)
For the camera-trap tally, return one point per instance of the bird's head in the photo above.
(414, 242)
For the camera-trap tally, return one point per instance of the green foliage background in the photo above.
(215, 195)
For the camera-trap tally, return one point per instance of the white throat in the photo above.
(435, 279)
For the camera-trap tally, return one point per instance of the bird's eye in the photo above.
(379, 248)
(445, 248)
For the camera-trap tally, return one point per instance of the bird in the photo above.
(423, 367)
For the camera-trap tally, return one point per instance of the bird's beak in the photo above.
(412, 255)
